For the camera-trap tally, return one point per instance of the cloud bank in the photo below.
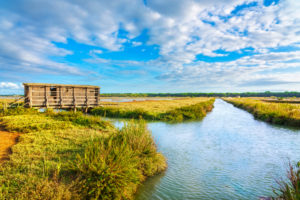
(216, 44)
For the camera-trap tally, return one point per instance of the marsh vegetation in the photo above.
(165, 110)
(67, 155)
(276, 113)
(70, 155)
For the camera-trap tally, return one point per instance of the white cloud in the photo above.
(135, 44)
(263, 70)
(96, 51)
(10, 85)
(182, 29)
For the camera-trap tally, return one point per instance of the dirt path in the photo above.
(7, 140)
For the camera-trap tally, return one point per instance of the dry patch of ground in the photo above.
(7, 140)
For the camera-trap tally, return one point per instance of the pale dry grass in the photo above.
(156, 106)
(277, 113)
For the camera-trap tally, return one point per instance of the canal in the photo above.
(227, 155)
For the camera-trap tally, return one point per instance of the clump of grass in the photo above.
(19, 110)
(192, 112)
(187, 109)
(120, 113)
(80, 119)
(11, 107)
(113, 167)
(29, 123)
(290, 190)
(276, 113)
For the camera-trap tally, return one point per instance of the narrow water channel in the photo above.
(227, 155)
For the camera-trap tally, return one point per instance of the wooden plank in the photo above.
(46, 97)
(60, 98)
(74, 99)
(97, 96)
(30, 97)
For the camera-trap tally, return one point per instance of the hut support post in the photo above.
(60, 98)
(29, 96)
(74, 99)
(97, 91)
(46, 97)
(86, 100)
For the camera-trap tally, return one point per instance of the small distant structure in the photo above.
(43, 95)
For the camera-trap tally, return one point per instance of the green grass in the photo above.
(176, 110)
(111, 168)
(74, 156)
(289, 190)
(276, 113)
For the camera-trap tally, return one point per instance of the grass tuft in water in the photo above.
(289, 190)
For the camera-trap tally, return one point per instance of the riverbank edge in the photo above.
(271, 117)
(192, 112)
(39, 166)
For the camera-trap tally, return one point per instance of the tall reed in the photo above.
(289, 190)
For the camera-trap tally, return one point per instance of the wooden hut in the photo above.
(60, 95)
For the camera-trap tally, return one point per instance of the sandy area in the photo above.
(7, 140)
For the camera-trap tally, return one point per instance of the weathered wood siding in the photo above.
(60, 96)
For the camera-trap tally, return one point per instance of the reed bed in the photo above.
(73, 156)
(167, 110)
(276, 113)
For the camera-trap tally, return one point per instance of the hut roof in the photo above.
(57, 85)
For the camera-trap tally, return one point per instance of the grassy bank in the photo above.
(168, 110)
(276, 113)
(74, 156)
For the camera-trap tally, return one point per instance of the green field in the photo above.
(69, 155)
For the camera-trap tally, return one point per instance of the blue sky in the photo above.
(151, 45)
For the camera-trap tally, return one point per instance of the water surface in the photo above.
(227, 155)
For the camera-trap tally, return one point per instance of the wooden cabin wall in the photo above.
(61, 96)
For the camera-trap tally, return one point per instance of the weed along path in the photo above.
(227, 155)
(7, 140)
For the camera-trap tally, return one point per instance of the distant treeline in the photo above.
(191, 94)
(244, 94)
